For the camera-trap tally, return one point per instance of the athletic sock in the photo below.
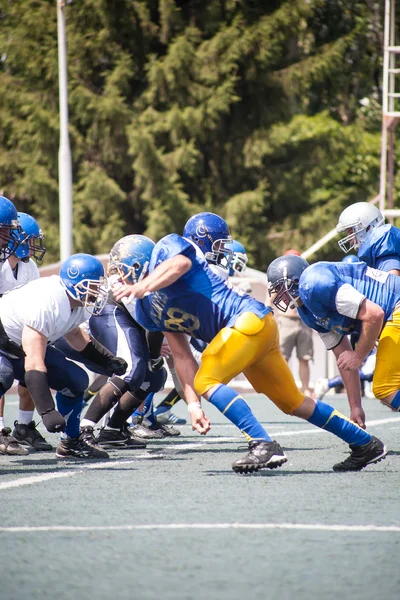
(146, 410)
(71, 409)
(170, 400)
(2, 424)
(235, 408)
(334, 382)
(25, 417)
(395, 404)
(327, 417)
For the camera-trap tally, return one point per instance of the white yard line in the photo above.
(180, 526)
(30, 480)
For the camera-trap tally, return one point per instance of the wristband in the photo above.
(193, 405)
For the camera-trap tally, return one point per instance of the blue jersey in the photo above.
(199, 303)
(332, 294)
(381, 249)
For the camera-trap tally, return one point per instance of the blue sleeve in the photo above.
(198, 345)
(170, 246)
(383, 242)
(389, 262)
(318, 288)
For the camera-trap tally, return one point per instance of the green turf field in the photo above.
(174, 521)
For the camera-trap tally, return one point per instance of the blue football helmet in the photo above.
(84, 280)
(239, 259)
(283, 280)
(211, 234)
(130, 258)
(350, 258)
(9, 227)
(30, 239)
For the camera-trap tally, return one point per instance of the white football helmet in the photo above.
(358, 220)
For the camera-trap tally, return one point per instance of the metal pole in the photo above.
(382, 185)
(64, 153)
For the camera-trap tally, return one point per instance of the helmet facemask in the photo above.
(93, 294)
(127, 273)
(287, 293)
(239, 263)
(9, 239)
(220, 254)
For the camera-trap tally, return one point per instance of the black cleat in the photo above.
(119, 438)
(9, 445)
(147, 433)
(361, 456)
(79, 448)
(28, 435)
(261, 455)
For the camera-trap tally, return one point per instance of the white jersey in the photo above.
(26, 272)
(43, 305)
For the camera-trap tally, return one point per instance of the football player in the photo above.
(119, 332)
(336, 299)
(181, 296)
(19, 269)
(376, 244)
(56, 307)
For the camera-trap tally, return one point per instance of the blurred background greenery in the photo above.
(266, 112)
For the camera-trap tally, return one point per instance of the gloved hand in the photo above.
(54, 421)
(117, 366)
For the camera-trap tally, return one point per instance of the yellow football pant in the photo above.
(251, 347)
(387, 371)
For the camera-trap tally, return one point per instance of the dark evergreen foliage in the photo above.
(249, 109)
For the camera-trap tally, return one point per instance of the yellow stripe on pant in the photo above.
(387, 370)
(251, 347)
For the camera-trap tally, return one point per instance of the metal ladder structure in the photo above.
(390, 118)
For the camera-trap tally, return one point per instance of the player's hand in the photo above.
(199, 420)
(349, 361)
(117, 366)
(129, 292)
(357, 415)
(165, 350)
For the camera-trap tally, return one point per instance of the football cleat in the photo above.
(147, 433)
(28, 435)
(261, 455)
(119, 438)
(361, 456)
(167, 417)
(321, 388)
(79, 448)
(9, 445)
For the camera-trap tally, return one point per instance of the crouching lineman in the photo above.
(120, 333)
(336, 299)
(182, 296)
(37, 315)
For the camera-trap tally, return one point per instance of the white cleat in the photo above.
(321, 387)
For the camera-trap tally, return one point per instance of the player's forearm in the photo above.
(351, 381)
(167, 273)
(369, 334)
(186, 369)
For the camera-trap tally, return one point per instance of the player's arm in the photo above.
(186, 368)
(165, 274)
(372, 317)
(95, 352)
(34, 344)
(351, 381)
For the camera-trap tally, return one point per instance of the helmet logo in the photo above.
(201, 231)
(73, 271)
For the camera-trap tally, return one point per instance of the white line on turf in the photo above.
(147, 455)
(171, 526)
(81, 468)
